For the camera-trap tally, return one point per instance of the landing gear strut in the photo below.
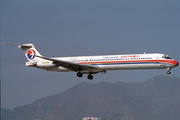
(168, 72)
(79, 74)
(90, 77)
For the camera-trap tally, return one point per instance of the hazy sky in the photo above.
(77, 28)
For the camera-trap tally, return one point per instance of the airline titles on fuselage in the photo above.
(110, 58)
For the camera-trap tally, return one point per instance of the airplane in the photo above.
(96, 64)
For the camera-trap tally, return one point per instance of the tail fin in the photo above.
(29, 51)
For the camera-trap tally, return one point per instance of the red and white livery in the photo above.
(95, 64)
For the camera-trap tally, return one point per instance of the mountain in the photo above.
(155, 99)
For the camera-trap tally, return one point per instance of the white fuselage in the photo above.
(114, 62)
(95, 64)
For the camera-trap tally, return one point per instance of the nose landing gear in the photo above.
(168, 72)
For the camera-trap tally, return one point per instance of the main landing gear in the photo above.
(90, 77)
(79, 74)
(168, 72)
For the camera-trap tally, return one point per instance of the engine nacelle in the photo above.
(45, 64)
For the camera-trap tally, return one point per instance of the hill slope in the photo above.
(157, 99)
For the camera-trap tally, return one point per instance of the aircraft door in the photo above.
(157, 59)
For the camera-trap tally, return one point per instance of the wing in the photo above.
(73, 66)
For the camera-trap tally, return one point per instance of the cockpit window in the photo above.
(166, 57)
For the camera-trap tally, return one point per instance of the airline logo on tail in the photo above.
(31, 54)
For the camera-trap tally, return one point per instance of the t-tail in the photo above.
(30, 52)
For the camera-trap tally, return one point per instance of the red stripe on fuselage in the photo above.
(173, 62)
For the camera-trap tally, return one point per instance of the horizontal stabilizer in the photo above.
(23, 45)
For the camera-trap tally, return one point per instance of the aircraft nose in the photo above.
(177, 64)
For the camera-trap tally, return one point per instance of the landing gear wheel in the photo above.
(90, 77)
(79, 74)
(168, 72)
